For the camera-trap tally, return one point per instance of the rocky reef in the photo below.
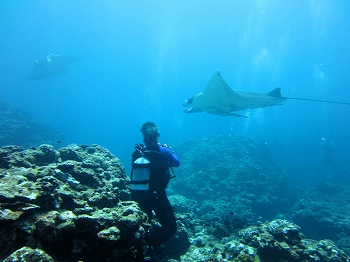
(234, 181)
(278, 240)
(231, 183)
(22, 129)
(325, 206)
(71, 203)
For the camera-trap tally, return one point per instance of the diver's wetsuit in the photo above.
(161, 159)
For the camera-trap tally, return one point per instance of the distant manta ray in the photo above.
(219, 99)
(50, 66)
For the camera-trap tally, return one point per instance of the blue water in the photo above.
(139, 60)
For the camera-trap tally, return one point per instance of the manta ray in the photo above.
(50, 66)
(219, 99)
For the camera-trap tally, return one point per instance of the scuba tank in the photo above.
(140, 174)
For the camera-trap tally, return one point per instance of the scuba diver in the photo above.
(150, 175)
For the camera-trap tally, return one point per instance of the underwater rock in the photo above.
(181, 204)
(112, 233)
(325, 206)
(223, 166)
(233, 181)
(280, 239)
(72, 203)
(233, 185)
(5, 152)
(17, 157)
(277, 240)
(29, 254)
(22, 129)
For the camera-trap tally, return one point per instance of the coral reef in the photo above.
(278, 240)
(231, 183)
(325, 206)
(29, 254)
(72, 203)
(22, 129)
(234, 181)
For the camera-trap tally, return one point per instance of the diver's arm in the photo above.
(171, 157)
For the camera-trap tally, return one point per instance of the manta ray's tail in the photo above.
(316, 100)
(277, 93)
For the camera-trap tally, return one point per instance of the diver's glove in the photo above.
(140, 147)
(168, 147)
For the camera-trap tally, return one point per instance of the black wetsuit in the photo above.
(161, 159)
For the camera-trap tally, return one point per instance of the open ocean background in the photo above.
(139, 60)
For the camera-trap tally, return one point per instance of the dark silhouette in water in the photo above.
(23, 129)
(50, 66)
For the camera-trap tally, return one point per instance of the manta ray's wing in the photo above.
(218, 89)
(50, 66)
(217, 98)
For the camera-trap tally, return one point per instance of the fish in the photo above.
(50, 66)
(219, 98)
